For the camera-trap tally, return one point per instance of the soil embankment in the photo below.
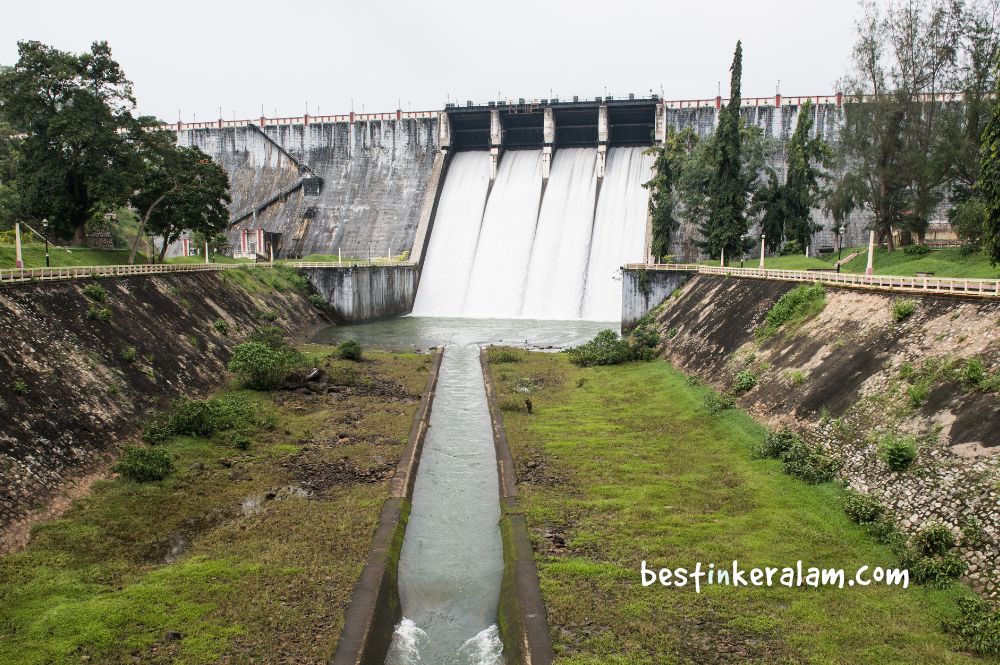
(855, 374)
(83, 362)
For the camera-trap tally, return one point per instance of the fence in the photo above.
(954, 286)
(17, 276)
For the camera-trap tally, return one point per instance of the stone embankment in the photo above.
(854, 375)
(83, 363)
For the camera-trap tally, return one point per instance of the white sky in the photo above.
(198, 56)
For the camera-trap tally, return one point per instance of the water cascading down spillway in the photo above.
(501, 250)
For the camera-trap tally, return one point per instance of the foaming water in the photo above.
(451, 562)
(511, 249)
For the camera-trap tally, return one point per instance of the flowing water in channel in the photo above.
(452, 558)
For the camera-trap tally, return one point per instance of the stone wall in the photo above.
(69, 394)
(839, 381)
(643, 290)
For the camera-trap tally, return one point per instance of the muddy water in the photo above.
(452, 558)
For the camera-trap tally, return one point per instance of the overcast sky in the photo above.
(194, 57)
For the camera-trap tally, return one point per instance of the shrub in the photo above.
(143, 465)
(794, 308)
(884, 531)
(343, 376)
(797, 377)
(102, 313)
(916, 250)
(221, 327)
(898, 452)
(318, 301)
(513, 404)
(263, 367)
(972, 532)
(349, 350)
(502, 354)
(20, 386)
(776, 444)
(95, 292)
(744, 381)
(903, 309)
(605, 349)
(918, 394)
(272, 336)
(907, 371)
(933, 540)
(643, 340)
(862, 508)
(973, 373)
(809, 463)
(269, 315)
(718, 402)
(672, 333)
(791, 248)
(239, 440)
(129, 354)
(936, 571)
(979, 625)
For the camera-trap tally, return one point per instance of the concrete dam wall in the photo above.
(365, 293)
(358, 187)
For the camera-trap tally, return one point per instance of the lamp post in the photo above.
(45, 230)
(762, 236)
(840, 246)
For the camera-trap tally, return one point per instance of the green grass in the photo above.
(216, 258)
(34, 257)
(102, 582)
(941, 262)
(629, 465)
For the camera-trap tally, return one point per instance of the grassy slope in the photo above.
(34, 257)
(941, 262)
(266, 587)
(636, 468)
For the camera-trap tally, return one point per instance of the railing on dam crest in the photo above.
(956, 286)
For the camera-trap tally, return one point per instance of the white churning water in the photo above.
(514, 251)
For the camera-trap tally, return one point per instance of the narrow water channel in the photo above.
(452, 557)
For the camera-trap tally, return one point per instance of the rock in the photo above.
(172, 636)
(228, 463)
(239, 474)
(314, 374)
(270, 496)
(197, 466)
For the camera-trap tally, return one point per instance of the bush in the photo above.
(794, 308)
(973, 372)
(102, 313)
(129, 353)
(605, 349)
(916, 250)
(349, 350)
(898, 452)
(933, 540)
(718, 402)
(269, 315)
(797, 377)
(744, 382)
(907, 371)
(318, 302)
(272, 336)
(862, 508)
(643, 340)
(20, 387)
(502, 354)
(239, 440)
(672, 333)
(936, 571)
(263, 367)
(221, 327)
(918, 394)
(95, 292)
(884, 531)
(809, 464)
(143, 465)
(791, 248)
(776, 444)
(979, 625)
(903, 309)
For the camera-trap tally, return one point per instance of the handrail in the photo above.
(958, 286)
(22, 275)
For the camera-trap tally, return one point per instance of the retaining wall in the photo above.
(365, 293)
(643, 290)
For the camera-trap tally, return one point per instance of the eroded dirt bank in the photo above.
(82, 362)
(853, 375)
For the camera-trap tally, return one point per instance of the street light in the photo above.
(840, 246)
(45, 230)
(762, 237)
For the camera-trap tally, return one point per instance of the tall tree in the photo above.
(989, 184)
(725, 225)
(668, 166)
(195, 198)
(808, 159)
(75, 155)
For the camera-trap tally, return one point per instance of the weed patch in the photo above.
(793, 309)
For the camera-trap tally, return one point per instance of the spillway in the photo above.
(518, 249)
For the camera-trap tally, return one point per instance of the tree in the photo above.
(74, 155)
(989, 184)
(195, 197)
(803, 189)
(668, 165)
(725, 225)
